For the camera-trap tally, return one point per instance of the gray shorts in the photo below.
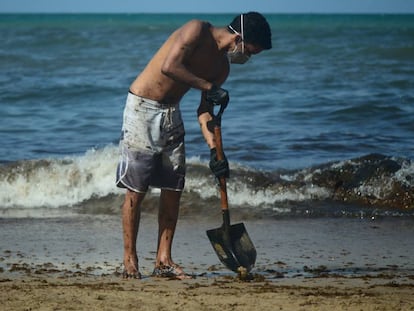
(151, 146)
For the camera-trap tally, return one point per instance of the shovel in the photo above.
(231, 243)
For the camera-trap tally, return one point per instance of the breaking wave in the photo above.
(86, 184)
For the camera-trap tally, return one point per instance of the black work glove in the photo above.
(218, 96)
(220, 168)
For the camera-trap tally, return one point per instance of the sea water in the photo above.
(334, 95)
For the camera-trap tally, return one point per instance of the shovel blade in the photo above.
(233, 247)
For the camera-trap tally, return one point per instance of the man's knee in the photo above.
(133, 199)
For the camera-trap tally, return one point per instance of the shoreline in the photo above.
(74, 263)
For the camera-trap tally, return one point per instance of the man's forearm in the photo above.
(203, 119)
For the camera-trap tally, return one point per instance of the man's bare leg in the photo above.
(131, 214)
(167, 221)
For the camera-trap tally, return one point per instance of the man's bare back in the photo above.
(190, 58)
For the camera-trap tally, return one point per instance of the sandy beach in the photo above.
(74, 263)
(48, 291)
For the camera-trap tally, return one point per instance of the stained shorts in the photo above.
(152, 151)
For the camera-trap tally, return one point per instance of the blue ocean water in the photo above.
(332, 89)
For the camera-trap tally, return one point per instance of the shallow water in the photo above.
(285, 248)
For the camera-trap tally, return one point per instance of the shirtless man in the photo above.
(197, 55)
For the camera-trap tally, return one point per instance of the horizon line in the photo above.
(217, 13)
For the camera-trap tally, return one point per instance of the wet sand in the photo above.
(74, 263)
(50, 292)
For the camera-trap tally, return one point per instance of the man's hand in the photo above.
(217, 96)
(220, 168)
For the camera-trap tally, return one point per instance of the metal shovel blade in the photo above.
(233, 247)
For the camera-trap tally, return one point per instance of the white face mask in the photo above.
(235, 56)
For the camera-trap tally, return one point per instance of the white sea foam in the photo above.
(242, 194)
(405, 174)
(70, 181)
(62, 182)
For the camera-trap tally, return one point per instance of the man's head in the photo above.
(256, 30)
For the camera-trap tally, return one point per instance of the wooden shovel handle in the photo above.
(222, 180)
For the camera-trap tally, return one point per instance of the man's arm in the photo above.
(174, 66)
(220, 168)
(205, 114)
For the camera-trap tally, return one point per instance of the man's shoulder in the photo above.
(198, 22)
(197, 25)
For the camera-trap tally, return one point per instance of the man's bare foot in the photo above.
(173, 272)
(131, 270)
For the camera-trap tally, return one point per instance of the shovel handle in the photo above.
(222, 180)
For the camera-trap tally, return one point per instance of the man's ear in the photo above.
(238, 39)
